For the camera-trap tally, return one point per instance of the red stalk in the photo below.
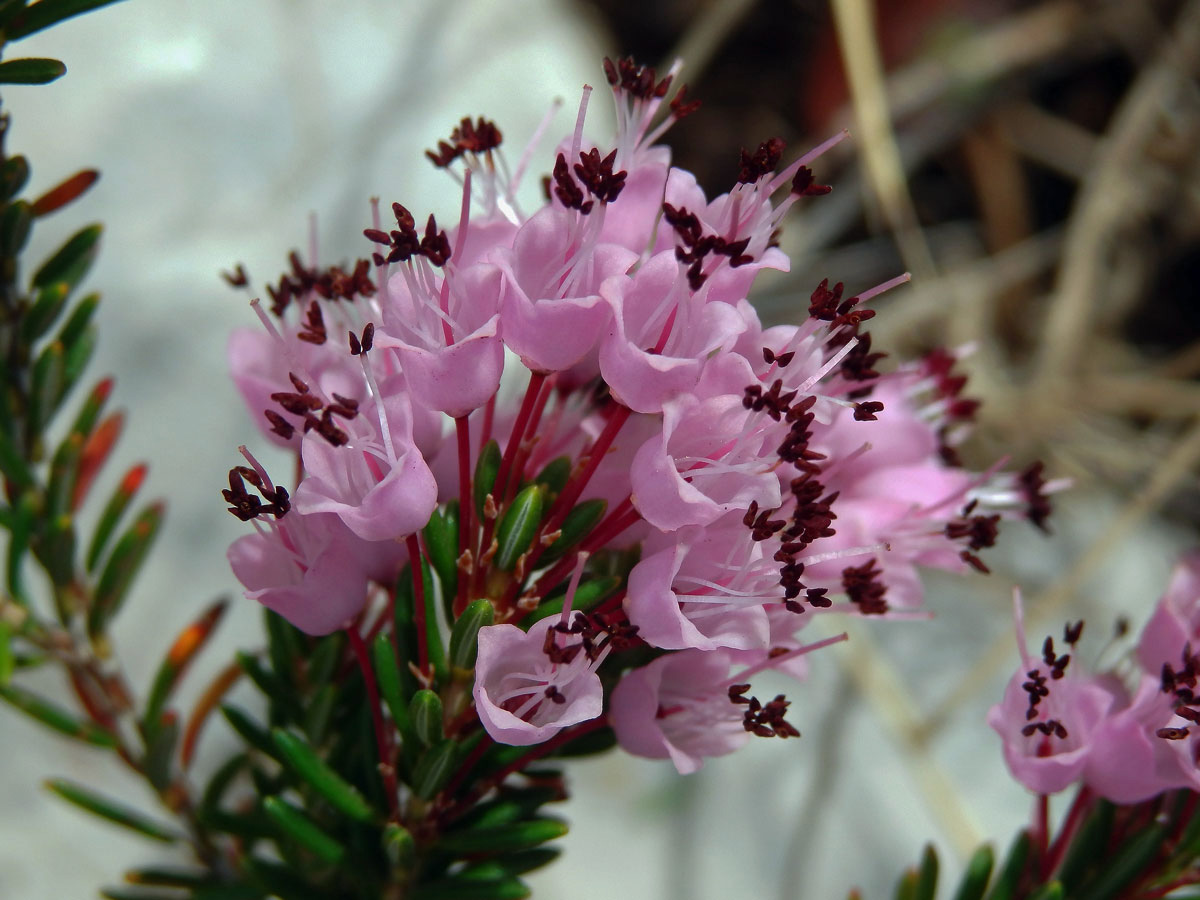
(462, 429)
(382, 742)
(414, 556)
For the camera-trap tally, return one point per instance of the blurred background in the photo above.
(1033, 163)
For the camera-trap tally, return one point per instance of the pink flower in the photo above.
(531, 685)
(678, 707)
(306, 568)
(377, 482)
(1049, 718)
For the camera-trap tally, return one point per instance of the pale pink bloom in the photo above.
(708, 589)
(1129, 762)
(660, 335)
(551, 310)
(309, 569)
(523, 696)
(710, 459)
(377, 482)
(678, 707)
(1176, 618)
(1049, 726)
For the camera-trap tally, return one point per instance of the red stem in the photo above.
(1079, 807)
(465, 504)
(468, 764)
(382, 736)
(414, 556)
(1041, 829)
(532, 392)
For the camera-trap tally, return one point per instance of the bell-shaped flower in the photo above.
(309, 569)
(708, 460)
(551, 310)
(377, 481)
(531, 685)
(660, 334)
(707, 589)
(678, 707)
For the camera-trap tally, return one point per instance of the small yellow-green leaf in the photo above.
(304, 761)
(86, 798)
(399, 846)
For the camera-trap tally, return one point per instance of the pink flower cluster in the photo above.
(1127, 738)
(718, 482)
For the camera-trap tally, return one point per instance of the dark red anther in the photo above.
(238, 277)
(804, 184)
(1072, 633)
(598, 176)
(279, 425)
(681, 107)
(865, 412)
(762, 162)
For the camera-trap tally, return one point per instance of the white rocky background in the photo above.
(219, 126)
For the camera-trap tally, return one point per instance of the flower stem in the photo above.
(382, 736)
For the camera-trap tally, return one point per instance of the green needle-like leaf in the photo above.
(434, 769)
(387, 674)
(1005, 887)
(113, 510)
(441, 543)
(296, 825)
(56, 717)
(503, 838)
(1130, 861)
(467, 889)
(122, 567)
(487, 467)
(31, 70)
(575, 527)
(554, 475)
(1087, 849)
(464, 638)
(14, 174)
(304, 761)
(72, 260)
(518, 525)
(86, 798)
(975, 878)
(183, 650)
(47, 306)
(46, 13)
(8, 662)
(15, 222)
(425, 713)
(927, 875)
(249, 730)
